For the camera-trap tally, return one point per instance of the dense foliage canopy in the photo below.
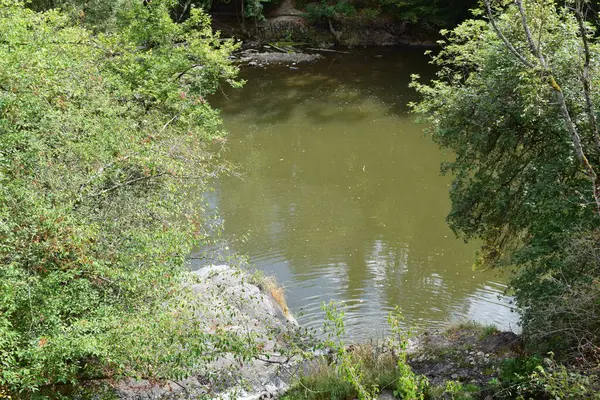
(102, 139)
(438, 13)
(516, 100)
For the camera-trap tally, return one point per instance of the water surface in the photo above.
(340, 195)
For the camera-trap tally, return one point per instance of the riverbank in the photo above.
(243, 304)
(465, 361)
(460, 361)
(305, 25)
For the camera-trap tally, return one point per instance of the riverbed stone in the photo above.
(252, 57)
(465, 353)
(233, 300)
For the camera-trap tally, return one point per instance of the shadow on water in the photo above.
(344, 79)
(341, 196)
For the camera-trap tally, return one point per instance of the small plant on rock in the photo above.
(349, 368)
(408, 385)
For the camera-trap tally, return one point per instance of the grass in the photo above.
(268, 284)
(455, 391)
(378, 367)
(488, 330)
(483, 331)
(322, 384)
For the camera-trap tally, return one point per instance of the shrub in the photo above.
(560, 297)
(408, 384)
(533, 377)
(102, 139)
(360, 370)
(324, 11)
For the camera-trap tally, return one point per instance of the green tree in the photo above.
(102, 141)
(438, 13)
(514, 100)
(444, 13)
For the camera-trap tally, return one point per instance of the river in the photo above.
(340, 195)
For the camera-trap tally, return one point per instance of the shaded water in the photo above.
(341, 197)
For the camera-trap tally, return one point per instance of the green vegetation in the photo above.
(360, 371)
(516, 101)
(101, 12)
(325, 382)
(457, 391)
(534, 377)
(434, 13)
(102, 137)
(485, 330)
(386, 367)
(103, 131)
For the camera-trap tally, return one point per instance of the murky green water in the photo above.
(341, 197)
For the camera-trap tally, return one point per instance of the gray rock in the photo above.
(228, 299)
(386, 395)
(254, 58)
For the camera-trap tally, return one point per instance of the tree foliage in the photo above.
(520, 182)
(438, 13)
(102, 142)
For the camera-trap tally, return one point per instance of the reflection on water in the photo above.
(341, 196)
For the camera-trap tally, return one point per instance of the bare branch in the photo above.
(507, 43)
(169, 122)
(181, 74)
(587, 85)
(99, 172)
(560, 97)
(535, 50)
(126, 183)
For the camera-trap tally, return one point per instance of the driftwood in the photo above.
(328, 50)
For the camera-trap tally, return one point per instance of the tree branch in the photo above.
(535, 50)
(560, 97)
(126, 183)
(181, 74)
(499, 33)
(587, 85)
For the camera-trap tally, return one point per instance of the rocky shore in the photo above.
(245, 304)
(240, 303)
(256, 58)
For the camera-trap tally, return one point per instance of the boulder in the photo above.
(234, 301)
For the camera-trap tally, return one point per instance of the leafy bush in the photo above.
(513, 371)
(439, 13)
(360, 370)
(368, 14)
(563, 312)
(98, 15)
(520, 183)
(323, 11)
(101, 141)
(457, 391)
(436, 13)
(533, 377)
(408, 384)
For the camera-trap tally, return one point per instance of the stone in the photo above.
(254, 58)
(386, 395)
(229, 298)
